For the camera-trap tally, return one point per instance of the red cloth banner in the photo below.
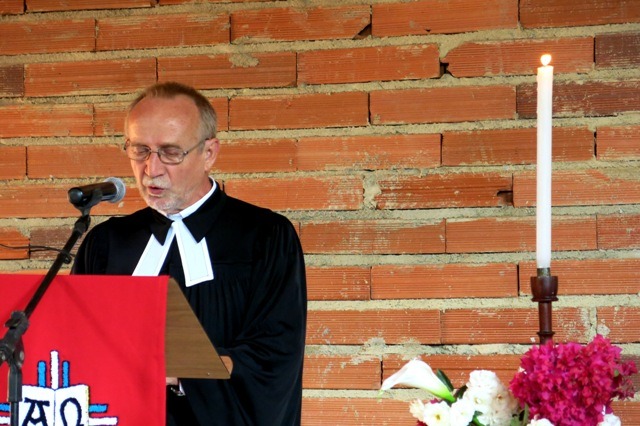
(94, 350)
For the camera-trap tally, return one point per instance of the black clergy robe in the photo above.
(254, 309)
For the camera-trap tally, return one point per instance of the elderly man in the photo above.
(240, 266)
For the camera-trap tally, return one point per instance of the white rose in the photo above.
(484, 379)
(480, 399)
(503, 401)
(462, 412)
(437, 414)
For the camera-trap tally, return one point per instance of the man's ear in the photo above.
(211, 149)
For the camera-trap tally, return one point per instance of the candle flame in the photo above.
(545, 59)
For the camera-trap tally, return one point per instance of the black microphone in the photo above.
(112, 190)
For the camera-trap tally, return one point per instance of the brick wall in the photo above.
(398, 136)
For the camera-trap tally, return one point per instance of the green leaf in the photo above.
(475, 419)
(521, 419)
(443, 377)
(525, 420)
(460, 392)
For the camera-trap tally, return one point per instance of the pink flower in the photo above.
(570, 384)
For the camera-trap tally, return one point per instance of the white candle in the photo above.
(543, 190)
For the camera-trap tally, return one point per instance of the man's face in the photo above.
(162, 123)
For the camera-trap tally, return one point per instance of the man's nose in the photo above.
(154, 166)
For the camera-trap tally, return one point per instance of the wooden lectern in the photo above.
(189, 353)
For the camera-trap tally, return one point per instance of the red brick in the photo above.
(341, 372)
(299, 111)
(14, 245)
(520, 57)
(618, 232)
(581, 187)
(289, 24)
(64, 271)
(49, 237)
(151, 31)
(369, 152)
(11, 80)
(458, 367)
(628, 411)
(109, 117)
(69, 35)
(221, 105)
(588, 98)
(372, 237)
(568, 13)
(487, 235)
(52, 5)
(338, 283)
(13, 162)
(89, 77)
(247, 70)
(360, 65)
(253, 156)
(618, 143)
(45, 120)
(305, 193)
(588, 276)
(444, 190)
(355, 412)
(491, 326)
(444, 281)
(44, 201)
(11, 7)
(514, 146)
(620, 50)
(76, 161)
(438, 17)
(393, 326)
(453, 104)
(621, 322)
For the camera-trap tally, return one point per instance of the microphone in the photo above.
(112, 190)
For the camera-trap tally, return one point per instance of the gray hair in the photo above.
(171, 89)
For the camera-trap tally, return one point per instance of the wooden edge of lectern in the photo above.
(188, 351)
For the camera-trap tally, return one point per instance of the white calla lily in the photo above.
(418, 374)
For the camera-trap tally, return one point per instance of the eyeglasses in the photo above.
(166, 154)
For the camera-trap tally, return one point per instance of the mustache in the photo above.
(157, 182)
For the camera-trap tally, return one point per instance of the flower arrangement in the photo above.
(557, 385)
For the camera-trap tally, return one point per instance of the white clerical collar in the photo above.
(196, 262)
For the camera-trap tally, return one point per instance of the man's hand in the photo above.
(172, 381)
(228, 362)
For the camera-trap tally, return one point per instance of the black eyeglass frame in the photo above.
(161, 156)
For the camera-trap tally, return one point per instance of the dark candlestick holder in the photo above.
(544, 288)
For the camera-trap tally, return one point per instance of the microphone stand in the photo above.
(11, 345)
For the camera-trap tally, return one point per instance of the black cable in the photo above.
(34, 249)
